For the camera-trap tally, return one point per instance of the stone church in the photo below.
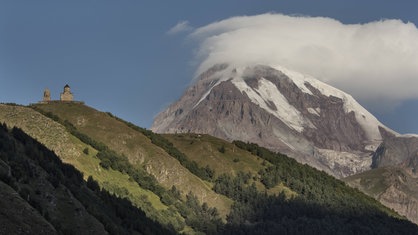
(65, 96)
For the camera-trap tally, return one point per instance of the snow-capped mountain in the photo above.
(308, 120)
(282, 110)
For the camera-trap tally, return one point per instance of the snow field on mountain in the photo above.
(267, 92)
(367, 121)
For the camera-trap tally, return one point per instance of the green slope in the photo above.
(139, 150)
(70, 150)
(42, 195)
(254, 190)
(225, 157)
(218, 154)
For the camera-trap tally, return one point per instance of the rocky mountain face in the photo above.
(304, 118)
(393, 186)
(281, 110)
(397, 150)
(393, 180)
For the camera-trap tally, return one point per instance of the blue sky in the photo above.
(118, 56)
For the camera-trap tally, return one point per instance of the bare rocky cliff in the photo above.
(397, 150)
(398, 155)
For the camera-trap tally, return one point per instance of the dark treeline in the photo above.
(308, 182)
(26, 156)
(256, 212)
(324, 205)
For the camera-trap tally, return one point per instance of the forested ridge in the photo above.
(323, 205)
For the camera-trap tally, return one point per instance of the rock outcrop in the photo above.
(397, 150)
(393, 186)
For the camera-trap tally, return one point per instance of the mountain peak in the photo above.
(280, 109)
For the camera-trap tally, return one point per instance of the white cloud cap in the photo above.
(182, 26)
(373, 61)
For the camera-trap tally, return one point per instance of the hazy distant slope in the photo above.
(393, 181)
(392, 186)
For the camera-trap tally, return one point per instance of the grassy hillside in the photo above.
(218, 154)
(253, 190)
(139, 150)
(42, 195)
(70, 150)
(225, 157)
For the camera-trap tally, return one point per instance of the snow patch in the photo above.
(407, 135)
(298, 78)
(207, 93)
(316, 111)
(219, 77)
(288, 145)
(366, 120)
(354, 163)
(268, 92)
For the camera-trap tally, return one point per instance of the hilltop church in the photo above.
(65, 96)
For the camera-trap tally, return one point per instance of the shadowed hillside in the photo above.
(42, 195)
(73, 151)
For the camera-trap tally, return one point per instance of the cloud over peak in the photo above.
(372, 61)
(182, 26)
